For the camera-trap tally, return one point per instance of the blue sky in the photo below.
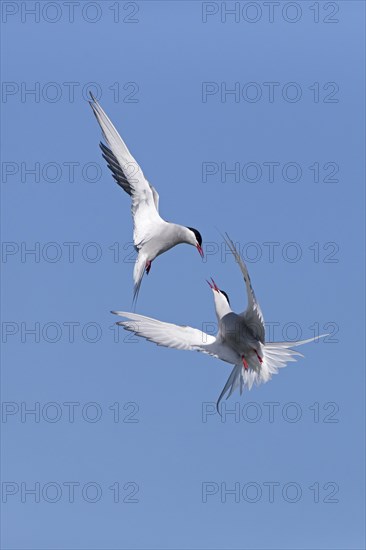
(123, 450)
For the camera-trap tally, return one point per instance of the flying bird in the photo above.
(240, 339)
(152, 235)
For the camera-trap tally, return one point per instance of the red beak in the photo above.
(200, 250)
(213, 286)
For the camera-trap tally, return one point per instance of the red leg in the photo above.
(148, 267)
(259, 357)
(245, 364)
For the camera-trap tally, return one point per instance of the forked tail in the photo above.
(138, 275)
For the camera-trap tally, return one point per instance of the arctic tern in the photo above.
(240, 339)
(151, 234)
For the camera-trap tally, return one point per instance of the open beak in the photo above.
(213, 285)
(200, 250)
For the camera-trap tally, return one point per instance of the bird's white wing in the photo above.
(167, 334)
(275, 356)
(253, 314)
(128, 174)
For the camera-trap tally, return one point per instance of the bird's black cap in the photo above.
(197, 235)
(226, 296)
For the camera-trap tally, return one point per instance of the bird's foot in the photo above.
(148, 266)
(245, 364)
(259, 357)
